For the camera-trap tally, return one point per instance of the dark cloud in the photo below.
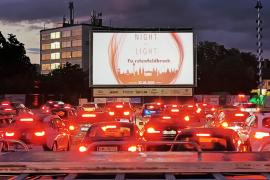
(231, 22)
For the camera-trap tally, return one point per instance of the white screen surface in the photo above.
(143, 58)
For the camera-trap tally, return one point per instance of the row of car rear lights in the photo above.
(26, 119)
(126, 113)
(88, 115)
(260, 135)
(152, 130)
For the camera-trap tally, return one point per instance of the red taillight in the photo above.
(111, 113)
(89, 115)
(159, 103)
(198, 110)
(50, 102)
(152, 130)
(67, 107)
(43, 107)
(202, 135)
(260, 135)
(239, 115)
(213, 109)
(126, 113)
(26, 119)
(5, 104)
(132, 148)
(190, 106)
(174, 105)
(119, 106)
(150, 107)
(9, 134)
(40, 133)
(82, 149)
(225, 124)
(174, 110)
(55, 105)
(71, 128)
(104, 128)
(186, 118)
(204, 104)
(166, 117)
(8, 109)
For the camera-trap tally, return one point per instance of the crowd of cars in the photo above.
(119, 126)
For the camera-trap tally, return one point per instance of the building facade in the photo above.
(64, 44)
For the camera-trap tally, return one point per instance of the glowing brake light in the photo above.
(8, 109)
(174, 110)
(204, 104)
(41, 133)
(166, 117)
(203, 135)
(190, 106)
(43, 107)
(119, 106)
(213, 109)
(198, 110)
(82, 149)
(126, 113)
(174, 105)
(71, 127)
(9, 134)
(5, 104)
(152, 130)
(260, 135)
(186, 118)
(150, 107)
(104, 128)
(159, 103)
(67, 107)
(26, 119)
(111, 113)
(225, 124)
(132, 149)
(50, 102)
(89, 115)
(239, 115)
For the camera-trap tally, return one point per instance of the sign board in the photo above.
(143, 58)
(133, 92)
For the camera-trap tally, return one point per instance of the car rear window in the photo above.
(207, 143)
(110, 131)
(266, 122)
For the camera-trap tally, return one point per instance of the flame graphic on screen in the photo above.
(154, 76)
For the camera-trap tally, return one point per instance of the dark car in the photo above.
(210, 139)
(162, 127)
(56, 134)
(152, 108)
(49, 105)
(120, 111)
(111, 137)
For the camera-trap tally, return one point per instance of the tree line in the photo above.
(219, 69)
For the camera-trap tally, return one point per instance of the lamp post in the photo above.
(259, 45)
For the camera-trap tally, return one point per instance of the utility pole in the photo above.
(259, 45)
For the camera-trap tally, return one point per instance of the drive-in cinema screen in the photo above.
(143, 58)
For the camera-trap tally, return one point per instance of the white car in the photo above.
(258, 128)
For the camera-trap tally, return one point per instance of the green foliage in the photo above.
(16, 71)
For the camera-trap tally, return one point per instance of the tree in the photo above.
(17, 74)
(226, 70)
(70, 81)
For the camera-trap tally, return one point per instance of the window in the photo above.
(55, 55)
(55, 35)
(55, 65)
(66, 33)
(45, 56)
(266, 122)
(45, 46)
(76, 54)
(66, 44)
(55, 45)
(45, 67)
(66, 55)
(76, 32)
(76, 43)
(45, 36)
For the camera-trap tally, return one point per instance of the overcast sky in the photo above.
(228, 22)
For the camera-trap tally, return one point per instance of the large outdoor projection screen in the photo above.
(143, 58)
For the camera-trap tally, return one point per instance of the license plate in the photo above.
(107, 149)
(84, 129)
(169, 132)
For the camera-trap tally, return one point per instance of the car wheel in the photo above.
(45, 147)
(54, 147)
